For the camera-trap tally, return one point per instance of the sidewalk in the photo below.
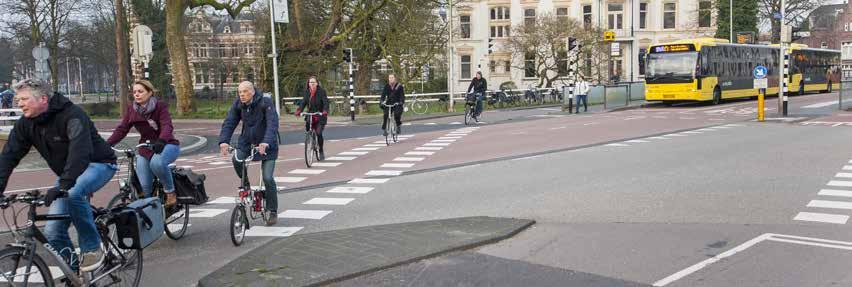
(325, 257)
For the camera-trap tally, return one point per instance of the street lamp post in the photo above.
(731, 19)
(450, 88)
(80, 75)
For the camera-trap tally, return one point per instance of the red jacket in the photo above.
(162, 128)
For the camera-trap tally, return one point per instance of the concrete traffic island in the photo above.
(314, 259)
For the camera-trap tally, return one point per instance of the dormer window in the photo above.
(227, 30)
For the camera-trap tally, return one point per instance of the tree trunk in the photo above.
(177, 53)
(121, 56)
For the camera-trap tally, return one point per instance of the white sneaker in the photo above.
(91, 260)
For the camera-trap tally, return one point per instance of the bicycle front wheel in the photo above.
(420, 107)
(309, 146)
(468, 115)
(389, 130)
(239, 224)
(14, 266)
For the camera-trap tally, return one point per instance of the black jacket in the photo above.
(64, 136)
(392, 96)
(478, 86)
(260, 125)
(318, 104)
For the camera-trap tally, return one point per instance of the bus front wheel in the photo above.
(717, 96)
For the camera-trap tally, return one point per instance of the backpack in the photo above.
(189, 186)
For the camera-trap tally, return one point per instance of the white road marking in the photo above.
(205, 213)
(636, 141)
(420, 153)
(449, 138)
(840, 183)
(693, 132)
(702, 264)
(443, 141)
(820, 105)
(659, 138)
(376, 145)
(271, 231)
(822, 217)
(397, 165)
(674, 135)
(455, 123)
(617, 144)
(304, 214)
(835, 192)
(847, 167)
(219, 162)
(290, 179)
(558, 128)
(429, 148)
(368, 180)
(365, 149)
(329, 201)
(223, 200)
(353, 153)
(350, 189)
(409, 159)
(430, 124)
(35, 276)
(436, 144)
(326, 164)
(307, 171)
(383, 173)
(830, 204)
(843, 175)
(343, 158)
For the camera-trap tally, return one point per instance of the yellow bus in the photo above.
(707, 69)
(813, 69)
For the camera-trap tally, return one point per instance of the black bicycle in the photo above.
(470, 115)
(311, 140)
(21, 265)
(177, 215)
(390, 127)
(250, 203)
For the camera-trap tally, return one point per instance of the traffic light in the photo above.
(490, 45)
(572, 43)
(347, 55)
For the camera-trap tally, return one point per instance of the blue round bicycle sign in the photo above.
(759, 72)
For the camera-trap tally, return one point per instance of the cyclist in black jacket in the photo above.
(479, 86)
(67, 139)
(393, 93)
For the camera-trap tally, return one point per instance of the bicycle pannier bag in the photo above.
(140, 223)
(189, 186)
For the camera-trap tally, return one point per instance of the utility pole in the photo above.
(67, 78)
(782, 99)
(80, 75)
(731, 19)
(274, 58)
(450, 81)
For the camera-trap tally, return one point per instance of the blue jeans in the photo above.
(585, 100)
(77, 205)
(158, 166)
(479, 98)
(267, 167)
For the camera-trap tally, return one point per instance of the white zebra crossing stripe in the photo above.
(368, 180)
(365, 149)
(290, 179)
(341, 158)
(835, 192)
(223, 200)
(420, 153)
(329, 201)
(449, 138)
(822, 217)
(436, 144)
(304, 214)
(271, 231)
(219, 162)
(380, 142)
(35, 276)
(307, 171)
(830, 204)
(205, 213)
(409, 159)
(397, 165)
(351, 189)
(383, 173)
(432, 148)
(326, 164)
(353, 153)
(443, 141)
(376, 145)
(840, 183)
(847, 167)
(843, 175)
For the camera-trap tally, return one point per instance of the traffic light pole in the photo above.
(274, 58)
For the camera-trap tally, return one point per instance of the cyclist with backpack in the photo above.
(479, 86)
(260, 128)
(152, 120)
(315, 100)
(394, 93)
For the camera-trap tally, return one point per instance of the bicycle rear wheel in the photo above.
(468, 115)
(420, 107)
(315, 148)
(239, 224)
(395, 131)
(177, 220)
(309, 144)
(13, 269)
(123, 267)
(389, 129)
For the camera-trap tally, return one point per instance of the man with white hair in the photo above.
(260, 128)
(67, 139)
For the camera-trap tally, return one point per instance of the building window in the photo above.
(198, 76)
(204, 50)
(508, 66)
(465, 67)
(235, 75)
(529, 17)
(846, 51)
(562, 68)
(562, 13)
(615, 15)
(500, 31)
(705, 12)
(465, 26)
(642, 53)
(615, 70)
(492, 66)
(500, 13)
(227, 30)
(643, 15)
(587, 65)
(222, 50)
(669, 15)
(529, 65)
(824, 45)
(587, 16)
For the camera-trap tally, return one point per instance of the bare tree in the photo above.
(542, 47)
(794, 12)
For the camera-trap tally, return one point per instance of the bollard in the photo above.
(761, 105)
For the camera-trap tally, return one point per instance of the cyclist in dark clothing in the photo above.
(67, 139)
(393, 93)
(315, 100)
(478, 86)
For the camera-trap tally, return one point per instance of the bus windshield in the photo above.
(671, 67)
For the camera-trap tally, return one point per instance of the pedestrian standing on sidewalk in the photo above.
(582, 93)
(260, 128)
(152, 120)
(315, 100)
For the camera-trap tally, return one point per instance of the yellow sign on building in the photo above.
(609, 36)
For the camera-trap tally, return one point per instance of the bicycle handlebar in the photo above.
(248, 158)
(390, 106)
(135, 148)
(311, 114)
(33, 197)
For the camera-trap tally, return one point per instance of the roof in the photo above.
(219, 22)
(825, 16)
